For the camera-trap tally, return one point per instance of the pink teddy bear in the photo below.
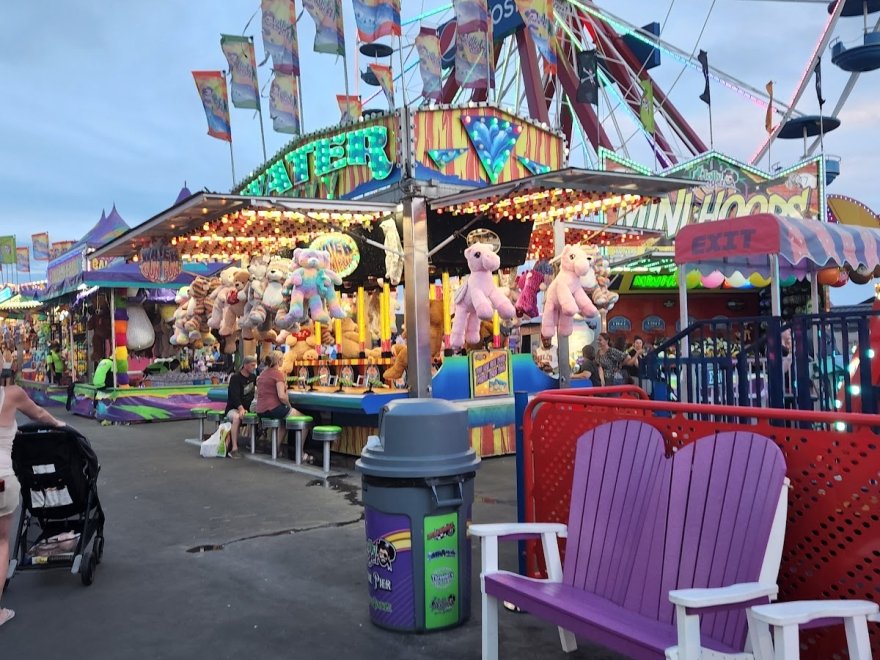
(479, 298)
(565, 296)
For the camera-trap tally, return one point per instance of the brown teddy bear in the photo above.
(351, 347)
(435, 313)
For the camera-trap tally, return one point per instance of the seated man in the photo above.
(103, 377)
(242, 385)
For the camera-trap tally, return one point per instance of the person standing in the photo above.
(7, 375)
(610, 361)
(54, 364)
(242, 386)
(12, 400)
(632, 362)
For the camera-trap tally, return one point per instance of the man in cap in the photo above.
(242, 386)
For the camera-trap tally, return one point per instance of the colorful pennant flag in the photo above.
(7, 249)
(442, 157)
(768, 118)
(646, 110)
(471, 14)
(703, 59)
(428, 47)
(284, 104)
(538, 16)
(386, 81)
(350, 107)
(212, 90)
(329, 35)
(41, 246)
(588, 77)
(279, 35)
(239, 52)
(22, 260)
(818, 72)
(58, 248)
(376, 19)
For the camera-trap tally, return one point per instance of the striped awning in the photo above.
(19, 303)
(804, 246)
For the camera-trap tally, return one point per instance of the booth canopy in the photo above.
(128, 275)
(19, 303)
(804, 246)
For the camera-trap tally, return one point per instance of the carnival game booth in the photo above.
(24, 322)
(819, 360)
(127, 315)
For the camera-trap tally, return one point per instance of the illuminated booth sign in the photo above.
(471, 147)
(730, 190)
(344, 253)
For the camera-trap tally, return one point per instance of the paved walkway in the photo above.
(286, 580)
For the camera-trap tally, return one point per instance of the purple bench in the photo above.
(706, 524)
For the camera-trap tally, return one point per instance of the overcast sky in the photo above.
(100, 106)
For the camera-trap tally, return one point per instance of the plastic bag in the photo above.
(215, 445)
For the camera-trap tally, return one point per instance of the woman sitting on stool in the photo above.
(272, 399)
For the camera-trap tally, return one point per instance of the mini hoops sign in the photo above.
(160, 263)
(344, 254)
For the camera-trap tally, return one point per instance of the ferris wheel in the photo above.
(626, 55)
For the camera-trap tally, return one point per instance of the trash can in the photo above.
(418, 491)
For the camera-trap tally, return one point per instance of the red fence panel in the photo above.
(832, 542)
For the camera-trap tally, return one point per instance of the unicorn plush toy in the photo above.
(565, 296)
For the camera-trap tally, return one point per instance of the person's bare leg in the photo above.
(233, 432)
(5, 526)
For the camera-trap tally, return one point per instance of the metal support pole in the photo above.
(814, 306)
(418, 322)
(562, 351)
(683, 321)
(775, 287)
(113, 335)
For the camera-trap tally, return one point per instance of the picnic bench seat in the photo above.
(703, 527)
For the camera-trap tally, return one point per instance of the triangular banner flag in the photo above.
(533, 166)
(493, 139)
(442, 157)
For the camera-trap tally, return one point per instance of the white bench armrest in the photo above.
(517, 529)
(718, 596)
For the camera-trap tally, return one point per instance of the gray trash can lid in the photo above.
(420, 438)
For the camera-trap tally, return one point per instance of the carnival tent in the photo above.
(107, 228)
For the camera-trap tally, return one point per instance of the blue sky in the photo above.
(101, 108)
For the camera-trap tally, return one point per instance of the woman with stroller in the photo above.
(12, 400)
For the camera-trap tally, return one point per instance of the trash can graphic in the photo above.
(418, 492)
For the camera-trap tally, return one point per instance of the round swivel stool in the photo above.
(328, 435)
(216, 416)
(250, 420)
(200, 414)
(300, 425)
(274, 424)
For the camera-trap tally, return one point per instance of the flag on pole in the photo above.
(768, 118)
(329, 35)
(428, 47)
(58, 248)
(818, 72)
(239, 52)
(703, 58)
(473, 43)
(538, 16)
(284, 104)
(350, 107)
(386, 81)
(376, 19)
(279, 35)
(646, 109)
(7, 249)
(588, 75)
(212, 90)
(41, 246)
(22, 260)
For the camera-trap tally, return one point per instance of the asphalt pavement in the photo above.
(221, 558)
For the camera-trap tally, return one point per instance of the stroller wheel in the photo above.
(87, 572)
(98, 549)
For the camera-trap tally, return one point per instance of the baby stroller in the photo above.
(61, 515)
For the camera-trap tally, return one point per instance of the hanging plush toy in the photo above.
(603, 297)
(197, 313)
(565, 296)
(393, 252)
(180, 337)
(257, 283)
(236, 298)
(311, 285)
(530, 283)
(479, 297)
(218, 296)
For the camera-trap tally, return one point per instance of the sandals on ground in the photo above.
(6, 615)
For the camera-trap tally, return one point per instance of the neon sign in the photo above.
(647, 281)
(323, 157)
